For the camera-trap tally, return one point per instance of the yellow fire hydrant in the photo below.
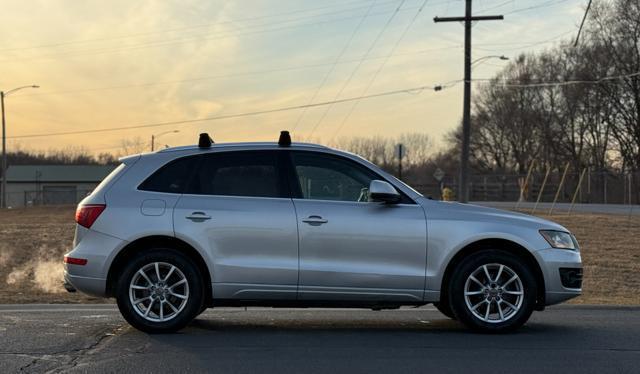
(447, 194)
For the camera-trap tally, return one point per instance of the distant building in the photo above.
(29, 185)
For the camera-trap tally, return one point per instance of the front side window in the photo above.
(326, 177)
(241, 173)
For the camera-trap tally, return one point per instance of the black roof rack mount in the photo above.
(205, 140)
(285, 139)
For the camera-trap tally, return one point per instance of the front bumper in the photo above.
(551, 262)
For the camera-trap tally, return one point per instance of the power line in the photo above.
(543, 5)
(231, 75)
(216, 36)
(384, 63)
(335, 63)
(413, 90)
(353, 73)
(557, 83)
(522, 47)
(586, 12)
(485, 10)
(135, 35)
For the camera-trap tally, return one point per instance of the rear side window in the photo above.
(242, 173)
(112, 176)
(172, 177)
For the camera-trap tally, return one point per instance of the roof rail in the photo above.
(285, 139)
(205, 140)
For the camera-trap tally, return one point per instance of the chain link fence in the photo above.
(592, 187)
(69, 196)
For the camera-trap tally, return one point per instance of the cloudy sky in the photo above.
(121, 63)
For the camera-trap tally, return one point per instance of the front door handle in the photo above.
(315, 220)
(198, 217)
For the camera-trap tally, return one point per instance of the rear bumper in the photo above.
(90, 286)
(551, 262)
(68, 286)
(98, 249)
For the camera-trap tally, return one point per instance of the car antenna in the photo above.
(285, 139)
(205, 140)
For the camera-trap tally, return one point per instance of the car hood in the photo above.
(482, 213)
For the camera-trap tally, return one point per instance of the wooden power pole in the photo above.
(463, 190)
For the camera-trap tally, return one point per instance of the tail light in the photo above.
(75, 261)
(86, 215)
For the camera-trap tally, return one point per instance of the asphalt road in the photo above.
(94, 338)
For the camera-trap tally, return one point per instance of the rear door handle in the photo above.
(198, 217)
(315, 220)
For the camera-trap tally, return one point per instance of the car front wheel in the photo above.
(160, 290)
(493, 291)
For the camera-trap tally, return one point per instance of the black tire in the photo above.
(444, 308)
(187, 312)
(492, 258)
(202, 309)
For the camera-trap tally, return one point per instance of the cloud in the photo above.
(93, 44)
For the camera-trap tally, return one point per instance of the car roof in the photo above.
(245, 145)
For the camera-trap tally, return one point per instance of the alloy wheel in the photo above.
(494, 293)
(159, 291)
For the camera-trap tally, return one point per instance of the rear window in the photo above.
(253, 174)
(172, 177)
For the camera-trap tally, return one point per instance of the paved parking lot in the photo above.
(94, 338)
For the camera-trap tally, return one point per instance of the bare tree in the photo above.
(132, 146)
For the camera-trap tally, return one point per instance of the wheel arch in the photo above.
(498, 244)
(158, 241)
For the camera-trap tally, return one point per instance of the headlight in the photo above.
(559, 239)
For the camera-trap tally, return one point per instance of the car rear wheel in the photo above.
(160, 290)
(492, 291)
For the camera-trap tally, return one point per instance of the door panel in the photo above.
(237, 208)
(363, 251)
(352, 249)
(252, 242)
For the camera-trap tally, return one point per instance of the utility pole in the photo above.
(3, 94)
(463, 190)
(400, 153)
(3, 203)
(153, 141)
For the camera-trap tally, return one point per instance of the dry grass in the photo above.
(32, 242)
(610, 249)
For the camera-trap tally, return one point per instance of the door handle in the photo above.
(198, 217)
(315, 220)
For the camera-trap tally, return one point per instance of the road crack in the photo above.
(68, 358)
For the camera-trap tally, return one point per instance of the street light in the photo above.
(502, 57)
(3, 94)
(153, 137)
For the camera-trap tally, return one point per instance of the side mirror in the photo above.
(383, 192)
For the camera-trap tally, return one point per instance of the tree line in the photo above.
(569, 104)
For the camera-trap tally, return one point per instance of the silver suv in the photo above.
(171, 233)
